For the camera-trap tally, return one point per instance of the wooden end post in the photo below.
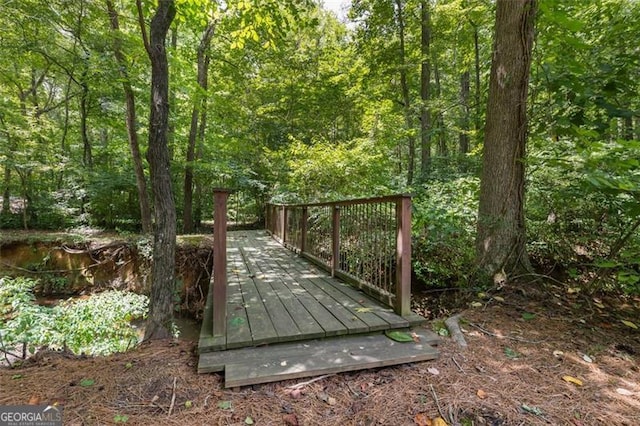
(403, 253)
(335, 240)
(285, 223)
(220, 261)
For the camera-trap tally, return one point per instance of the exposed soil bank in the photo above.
(66, 267)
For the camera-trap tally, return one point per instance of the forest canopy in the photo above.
(283, 101)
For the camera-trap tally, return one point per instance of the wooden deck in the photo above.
(274, 296)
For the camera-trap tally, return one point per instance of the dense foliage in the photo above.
(300, 106)
(98, 325)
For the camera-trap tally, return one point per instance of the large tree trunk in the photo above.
(164, 244)
(500, 244)
(203, 75)
(406, 100)
(425, 81)
(132, 134)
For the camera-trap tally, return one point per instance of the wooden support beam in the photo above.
(403, 253)
(219, 285)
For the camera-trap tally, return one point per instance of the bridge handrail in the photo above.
(365, 241)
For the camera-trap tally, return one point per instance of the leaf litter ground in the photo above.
(572, 360)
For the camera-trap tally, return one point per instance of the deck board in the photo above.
(274, 295)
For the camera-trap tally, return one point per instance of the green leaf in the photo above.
(361, 310)
(527, 316)
(16, 377)
(224, 405)
(87, 382)
(532, 410)
(120, 418)
(398, 336)
(237, 321)
(510, 353)
(248, 421)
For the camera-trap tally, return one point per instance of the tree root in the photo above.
(453, 325)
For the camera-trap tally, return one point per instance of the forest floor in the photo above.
(537, 354)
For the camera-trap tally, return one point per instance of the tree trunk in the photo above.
(406, 100)
(164, 244)
(425, 80)
(441, 140)
(203, 75)
(132, 134)
(463, 136)
(501, 239)
(476, 51)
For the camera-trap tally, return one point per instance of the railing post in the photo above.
(219, 293)
(303, 229)
(403, 256)
(335, 240)
(285, 220)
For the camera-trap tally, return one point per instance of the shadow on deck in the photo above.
(286, 318)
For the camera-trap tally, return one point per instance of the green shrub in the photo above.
(98, 325)
(444, 223)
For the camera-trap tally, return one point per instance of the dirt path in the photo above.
(561, 359)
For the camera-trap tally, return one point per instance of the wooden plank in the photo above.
(330, 325)
(283, 323)
(238, 328)
(378, 318)
(216, 361)
(346, 354)
(262, 330)
(307, 324)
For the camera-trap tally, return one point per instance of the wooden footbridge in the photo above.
(312, 294)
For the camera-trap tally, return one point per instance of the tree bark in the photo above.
(132, 134)
(203, 75)
(163, 270)
(425, 81)
(463, 136)
(406, 99)
(441, 140)
(501, 238)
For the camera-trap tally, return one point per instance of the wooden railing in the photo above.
(366, 242)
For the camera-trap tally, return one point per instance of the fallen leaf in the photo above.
(87, 383)
(587, 358)
(498, 298)
(415, 337)
(482, 295)
(290, 419)
(296, 394)
(528, 316)
(433, 371)
(532, 410)
(481, 394)
(573, 290)
(188, 404)
(398, 336)
(599, 305)
(34, 400)
(510, 353)
(629, 324)
(558, 354)
(422, 419)
(573, 380)
(363, 310)
(625, 392)
(476, 304)
(248, 421)
(224, 405)
(283, 364)
(327, 399)
(439, 421)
